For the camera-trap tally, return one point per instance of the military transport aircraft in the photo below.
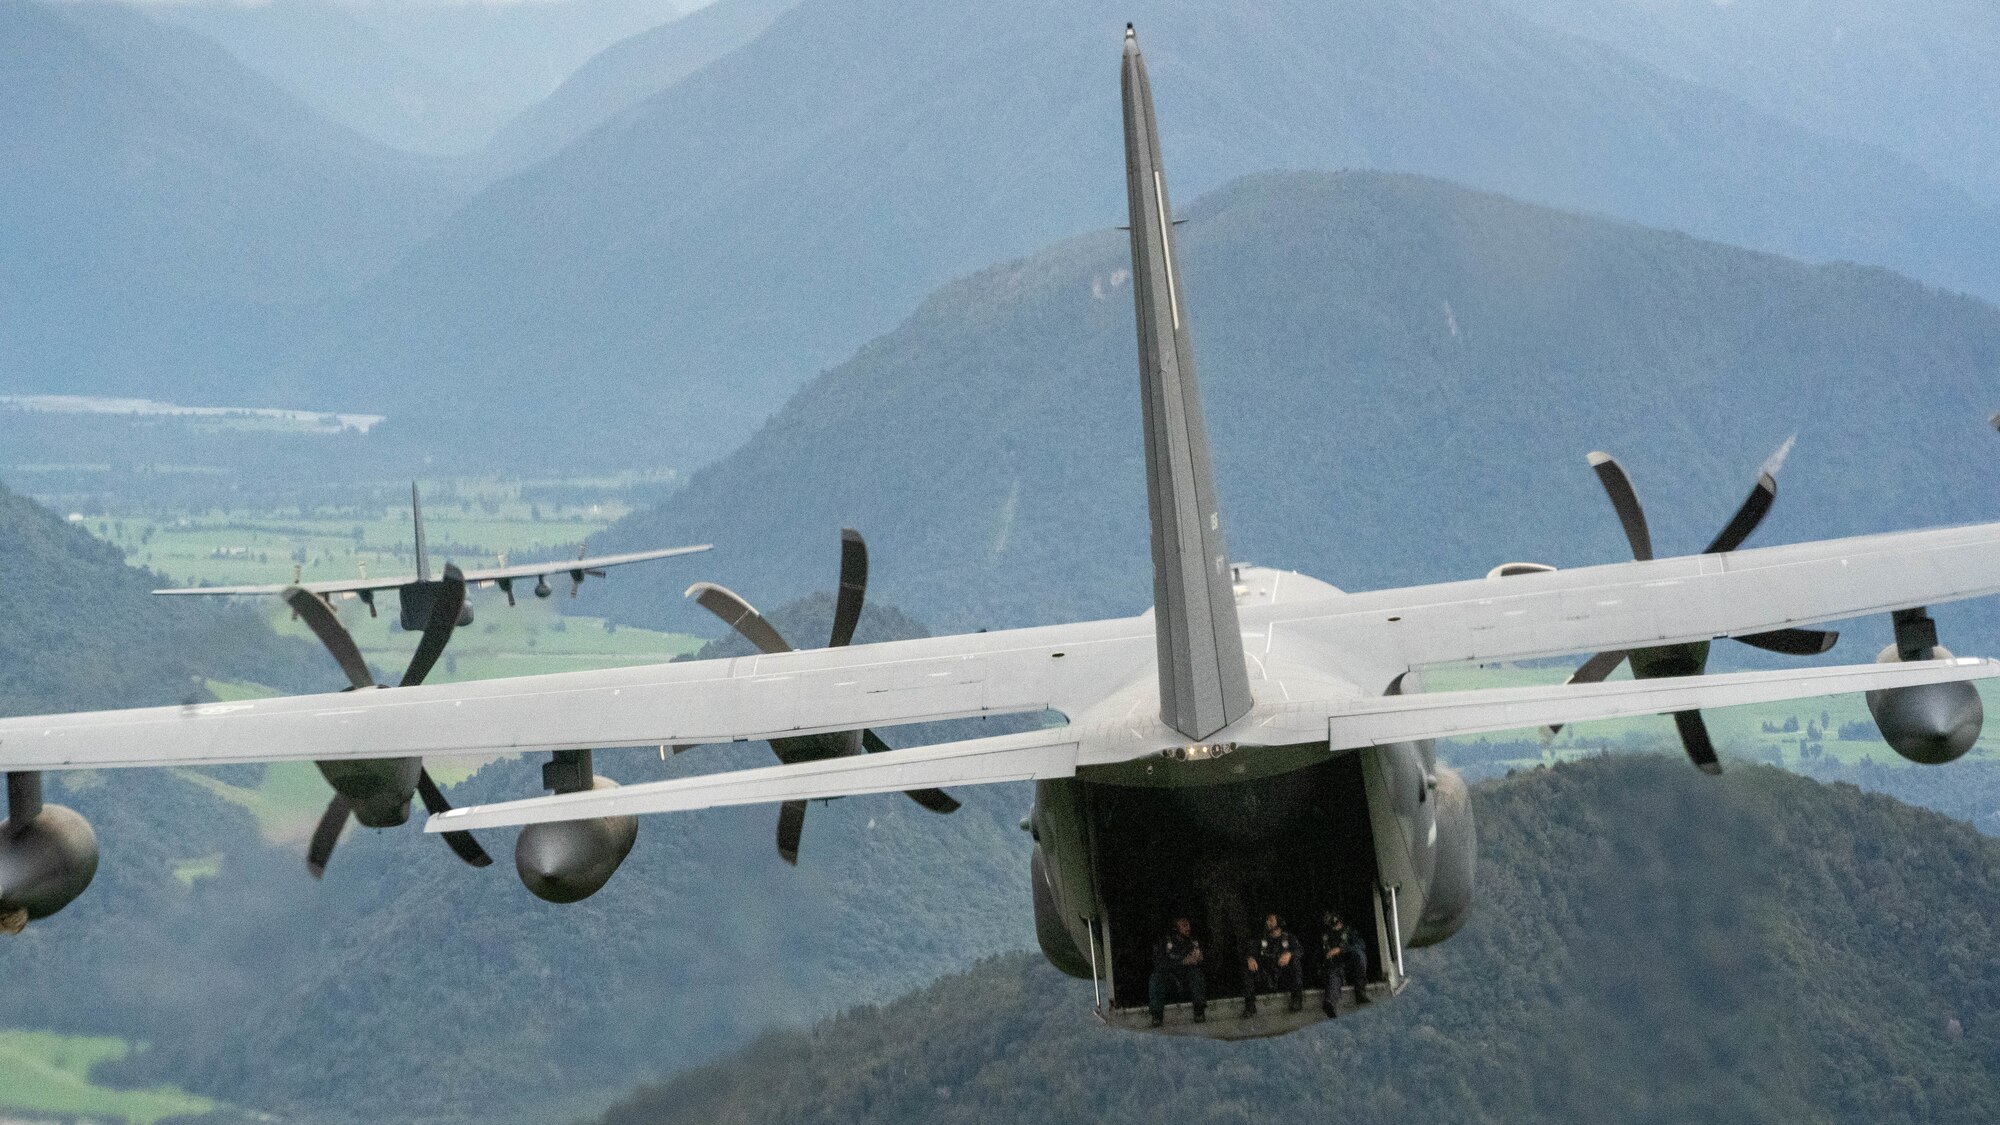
(1257, 741)
(416, 593)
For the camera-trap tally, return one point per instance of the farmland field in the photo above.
(42, 1072)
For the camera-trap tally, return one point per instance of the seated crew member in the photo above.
(1275, 963)
(1343, 954)
(1177, 964)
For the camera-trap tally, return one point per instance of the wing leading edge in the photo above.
(1062, 752)
(489, 574)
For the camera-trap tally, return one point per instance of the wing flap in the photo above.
(1407, 718)
(984, 761)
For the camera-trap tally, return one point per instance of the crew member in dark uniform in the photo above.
(1343, 954)
(1275, 962)
(1177, 964)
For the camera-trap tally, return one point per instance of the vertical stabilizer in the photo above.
(1204, 684)
(417, 518)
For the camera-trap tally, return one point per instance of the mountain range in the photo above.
(733, 201)
(1910, 78)
(660, 284)
(1402, 378)
(437, 78)
(164, 208)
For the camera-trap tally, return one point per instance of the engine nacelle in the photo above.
(1931, 724)
(1934, 723)
(378, 790)
(46, 863)
(570, 860)
(1050, 933)
(1449, 903)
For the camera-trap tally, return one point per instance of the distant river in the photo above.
(314, 420)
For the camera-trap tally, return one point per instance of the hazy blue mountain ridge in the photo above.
(164, 208)
(673, 275)
(1401, 377)
(624, 75)
(1914, 78)
(436, 78)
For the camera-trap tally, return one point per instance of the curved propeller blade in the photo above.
(738, 614)
(936, 800)
(326, 834)
(319, 617)
(853, 587)
(462, 844)
(1598, 668)
(437, 630)
(1694, 739)
(1793, 642)
(1593, 671)
(1755, 507)
(791, 824)
(1625, 501)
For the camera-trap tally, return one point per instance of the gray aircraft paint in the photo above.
(1204, 682)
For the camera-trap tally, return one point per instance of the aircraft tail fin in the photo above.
(417, 518)
(1204, 681)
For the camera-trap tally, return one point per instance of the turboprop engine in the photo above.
(570, 860)
(1932, 724)
(1449, 902)
(378, 790)
(48, 854)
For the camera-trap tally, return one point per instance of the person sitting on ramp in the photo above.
(1274, 964)
(1177, 965)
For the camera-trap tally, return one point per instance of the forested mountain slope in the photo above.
(78, 629)
(162, 207)
(667, 280)
(1402, 378)
(1650, 945)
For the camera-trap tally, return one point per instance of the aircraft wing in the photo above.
(1061, 751)
(1066, 668)
(489, 574)
(347, 586)
(1634, 604)
(563, 566)
(1020, 757)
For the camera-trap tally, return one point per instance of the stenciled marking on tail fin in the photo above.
(1204, 681)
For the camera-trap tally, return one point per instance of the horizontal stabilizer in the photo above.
(983, 761)
(1452, 714)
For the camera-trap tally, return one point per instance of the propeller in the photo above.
(1664, 661)
(743, 617)
(319, 617)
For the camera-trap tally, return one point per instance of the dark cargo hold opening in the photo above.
(1227, 855)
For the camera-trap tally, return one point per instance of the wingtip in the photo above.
(1599, 457)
